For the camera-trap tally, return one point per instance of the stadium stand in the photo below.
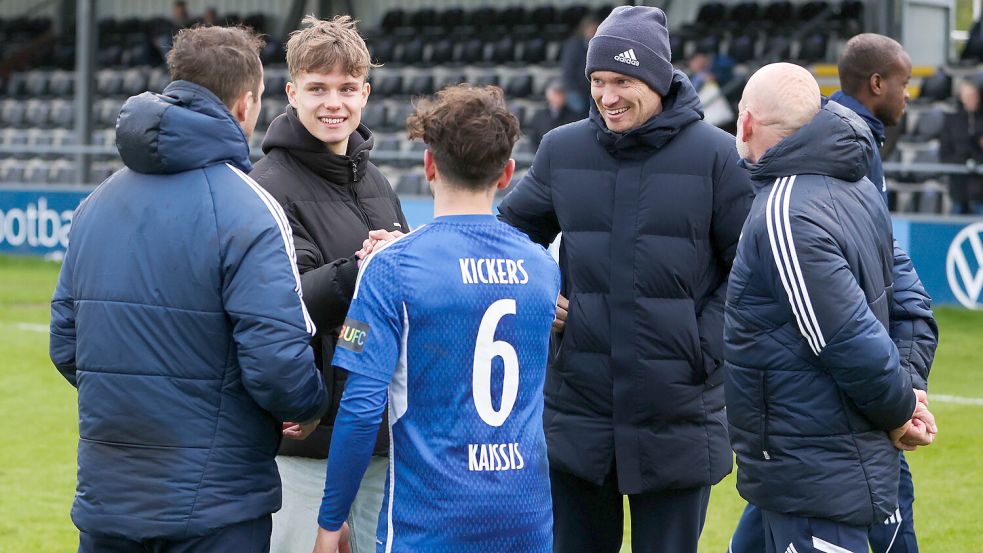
(422, 50)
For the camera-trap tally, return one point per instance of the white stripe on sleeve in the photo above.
(285, 233)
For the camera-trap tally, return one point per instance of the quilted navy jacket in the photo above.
(650, 222)
(813, 379)
(179, 319)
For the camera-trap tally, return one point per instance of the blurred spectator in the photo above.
(557, 113)
(573, 61)
(716, 108)
(180, 19)
(210, 18)
(961, 143)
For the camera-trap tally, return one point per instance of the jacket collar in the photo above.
(875, 124)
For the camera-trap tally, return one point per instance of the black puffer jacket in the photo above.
(650, 222)
(332, 202)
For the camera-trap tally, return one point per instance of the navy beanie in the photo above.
(633, 41)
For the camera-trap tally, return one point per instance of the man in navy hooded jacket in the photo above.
(650, 201)
(817, 397)
(874, 74)
(178, 317)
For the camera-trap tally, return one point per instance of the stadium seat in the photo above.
(62, 84)
(62, 171)
(396, 116)
(62, 114)
(393, 19)
(389, 85)
(487, 78)
(711, 15)
(412, 52)
(423, 17)
(383, 49)
(778, 14)
(13, 113)
(386, 143)
(501, 51)
(927, 126)
(17, 85)
(451, 79)
(744, 14)
(420, 85)
(778, 47)
(442, 52)
(15, 137)
(37, 113)
(12, 171)
(519, 86)
(36, 83)
(374, 115)
(572, 15)
(109, 82)
(533, 51)
(812, 9)
(450, 18)
(541, 16)
(813, 47)
(472, 51)
(276, 83)
(134, 82)
(742, 48)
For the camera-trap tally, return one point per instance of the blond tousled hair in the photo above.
(320, 45)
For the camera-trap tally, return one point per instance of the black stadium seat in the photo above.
(420, 85)
(742, 48)
(533, 51)
(519, 86)
(813, 47)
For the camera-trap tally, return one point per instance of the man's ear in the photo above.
(366, 90)
(746, 129)
(291, 93)
(429, 166)
(506, 179)
(876, 84)
(241, 105)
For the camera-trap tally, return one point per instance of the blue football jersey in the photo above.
(456, 316)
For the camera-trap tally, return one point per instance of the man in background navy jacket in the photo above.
(817, 397)
(179, 318)
(650, 201)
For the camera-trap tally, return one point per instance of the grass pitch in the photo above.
(37, 446)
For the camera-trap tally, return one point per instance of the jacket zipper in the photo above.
(358, 206)
(764, 418)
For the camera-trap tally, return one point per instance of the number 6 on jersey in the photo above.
(485, 350)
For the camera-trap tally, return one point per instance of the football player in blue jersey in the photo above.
(452, 324)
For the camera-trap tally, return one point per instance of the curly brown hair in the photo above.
(224, 60)
(321, 44)
(468, 130)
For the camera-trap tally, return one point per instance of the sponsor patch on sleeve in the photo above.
(353, 334)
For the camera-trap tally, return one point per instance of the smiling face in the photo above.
(329, 105)
(625, 103)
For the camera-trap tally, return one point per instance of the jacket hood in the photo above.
(185, 127)
(836, 143)
(875, 124)
(287, 132)
(680, 107)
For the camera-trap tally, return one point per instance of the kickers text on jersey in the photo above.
(493, 271)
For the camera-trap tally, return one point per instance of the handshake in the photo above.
(376, 238)
(920, 430)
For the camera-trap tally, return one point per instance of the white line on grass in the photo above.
(32, 327)
(954, 399)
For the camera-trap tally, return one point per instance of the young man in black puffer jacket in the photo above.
(317, 167)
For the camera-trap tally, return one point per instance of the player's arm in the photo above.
(529, 207)
(368, 348)
(913, 327)
(61, 345)
(831, 313)
(351, 446)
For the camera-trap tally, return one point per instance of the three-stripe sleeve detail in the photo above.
(787, 262)
(286, 234)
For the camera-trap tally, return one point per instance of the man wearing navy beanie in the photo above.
(650, 201)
